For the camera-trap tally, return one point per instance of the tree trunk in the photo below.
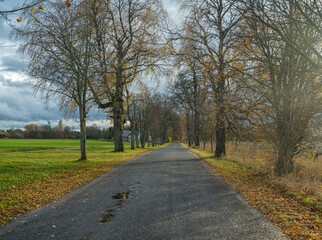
(118, 126)
(165, 135)
(219, 85)
(284, 164)
(83, 135)
(196, 129)
(132, 136)
(196, 116)
(211, 142)
(152, 141)
(161, 139)
(285, 135)
(142, 140)
(188, 129)
(220, 139)
(220, 121)
(286, 143)
(220, 93)
(137, 138)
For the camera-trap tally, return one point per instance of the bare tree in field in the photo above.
(127, 43)
(283, 44)
(212, 24)
(58, 45)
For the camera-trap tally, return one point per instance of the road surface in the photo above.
(168, 193)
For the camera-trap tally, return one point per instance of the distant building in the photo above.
(126, 136)
(3, 136)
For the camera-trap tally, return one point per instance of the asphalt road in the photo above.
(165, 194)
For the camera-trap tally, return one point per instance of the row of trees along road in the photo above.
(88, 52)
(259, 65)
(248, 63)
(151, 118)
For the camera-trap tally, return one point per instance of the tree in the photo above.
(32, 131)
(282, 45)
(190, 85)
(136, 109)
(127, 44)
(189, 93)
(58, 45)
(178, 97)
(212, 24)
(165, 117)
(296, 13)
(6, 134)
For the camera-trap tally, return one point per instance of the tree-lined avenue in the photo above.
(166, 194)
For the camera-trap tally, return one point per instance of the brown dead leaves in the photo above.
(19, 200)
(295, 219)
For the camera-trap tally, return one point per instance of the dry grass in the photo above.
(297, 215)
(306, 179)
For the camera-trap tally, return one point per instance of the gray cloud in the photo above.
(10, 83)
(4, 29)
(19, 107)
(12, 64)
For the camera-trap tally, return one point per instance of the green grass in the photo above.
(31, 179)
(19, 168)
(13, 145)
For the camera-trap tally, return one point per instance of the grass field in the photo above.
(31, 179)
(13, 145)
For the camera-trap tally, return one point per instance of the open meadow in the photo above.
(14, 145)
(31, 179)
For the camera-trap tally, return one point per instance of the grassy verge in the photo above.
(296, 214)
(31, 179)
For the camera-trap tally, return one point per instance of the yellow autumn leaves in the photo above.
(41, 8)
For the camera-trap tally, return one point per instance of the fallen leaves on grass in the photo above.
(19, 200)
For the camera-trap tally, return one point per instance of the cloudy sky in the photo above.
(18, 105)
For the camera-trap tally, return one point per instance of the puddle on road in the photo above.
(107, 216)
(122, 195)
(110, 213)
